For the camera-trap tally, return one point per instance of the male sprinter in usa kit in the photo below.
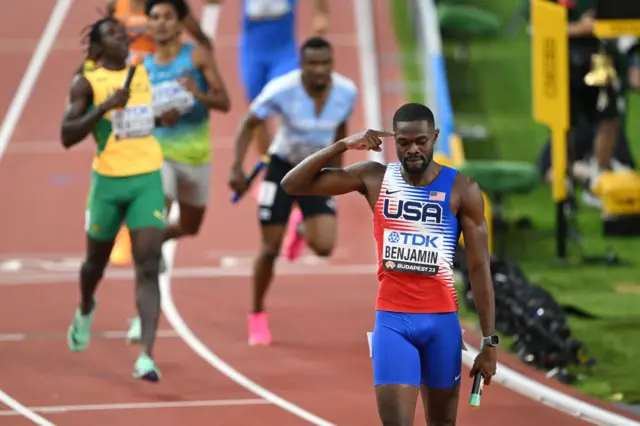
(419, 208)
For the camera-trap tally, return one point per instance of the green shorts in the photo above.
(138, 200)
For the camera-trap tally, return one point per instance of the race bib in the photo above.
(298, 151)
(412, 252)
(171, 95)
(133, 122)
(266, 9)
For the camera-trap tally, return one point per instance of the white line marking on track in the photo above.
(65, 278)
(61, 409)
(18, 103)
(173, 317)
(101, 335)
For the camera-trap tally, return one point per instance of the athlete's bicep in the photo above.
(79, 98)
(335, 181)
(210, 70)
(474, 226)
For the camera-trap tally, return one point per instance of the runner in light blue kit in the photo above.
(184, 78)
(269, 49)
(314, 105)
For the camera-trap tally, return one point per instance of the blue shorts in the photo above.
(259, 68)
(414, 349)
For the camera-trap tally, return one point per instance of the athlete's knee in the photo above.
(322, 249)
(395, 420)
(93, 268)
(269, 253)
(190, 229)
(148, 263)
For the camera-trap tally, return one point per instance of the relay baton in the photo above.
(476, 388)
(261, 164)
(135, 61)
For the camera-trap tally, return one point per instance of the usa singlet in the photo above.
(416, 235)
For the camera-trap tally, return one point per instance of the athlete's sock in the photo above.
(209, 20)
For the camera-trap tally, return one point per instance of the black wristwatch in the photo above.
(491, 341)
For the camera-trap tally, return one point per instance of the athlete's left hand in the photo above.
(169, 118)
(189, 83)
(485, 363)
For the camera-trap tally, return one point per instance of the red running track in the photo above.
(319, 361)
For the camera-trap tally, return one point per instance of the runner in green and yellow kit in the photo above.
(126, 182)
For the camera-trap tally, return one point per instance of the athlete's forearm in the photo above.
(75, 130)
(215, 99)
(483, 297)
(301, 177)
(243, 139)
(579, 29)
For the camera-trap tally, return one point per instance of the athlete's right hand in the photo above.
(237, 180)
(369, 140)
(118, 99)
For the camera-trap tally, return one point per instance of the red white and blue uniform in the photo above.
(417, 337)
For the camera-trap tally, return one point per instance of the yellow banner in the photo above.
(613, 28)
(550, 73)
(550, 62)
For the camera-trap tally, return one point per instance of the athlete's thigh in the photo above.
(193, 184)
(282, 62)
(396, 369)
(396, 360)
(274, 205)
(441, 355)
(169, 180)
(253, 72)
(104, 213)
(321, 232)
(146, 205)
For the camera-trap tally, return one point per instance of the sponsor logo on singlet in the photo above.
(411, 251)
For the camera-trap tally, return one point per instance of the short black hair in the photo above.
(315, 43)
(182, 10)
(413, 112)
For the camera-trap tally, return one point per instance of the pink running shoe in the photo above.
(259, 334)
(294, 242)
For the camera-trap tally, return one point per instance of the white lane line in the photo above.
(101, 335)
(127, 406)
(65, 278)
(18, 103)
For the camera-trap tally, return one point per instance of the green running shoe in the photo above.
(145, 369)
(79, 333)
(135, 330)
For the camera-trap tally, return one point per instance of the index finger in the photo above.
(383, 133)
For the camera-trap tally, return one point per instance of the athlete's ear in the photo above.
(436, 133)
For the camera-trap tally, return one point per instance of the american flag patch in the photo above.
(437, 196)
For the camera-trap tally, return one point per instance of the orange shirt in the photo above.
(136, 24)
